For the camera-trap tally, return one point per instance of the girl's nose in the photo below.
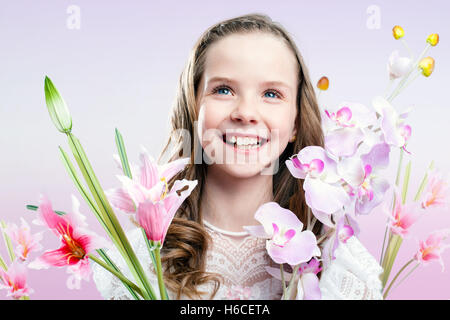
(245, 113)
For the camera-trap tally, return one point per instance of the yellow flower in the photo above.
(433, 39)
(323, 83)
(398, 32)
(427, 66)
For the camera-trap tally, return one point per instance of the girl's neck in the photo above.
(230, 203)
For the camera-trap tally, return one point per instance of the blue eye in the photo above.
(225, 90)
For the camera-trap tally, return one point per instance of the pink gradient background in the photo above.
(121, 70)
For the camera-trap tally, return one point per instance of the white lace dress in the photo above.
(241, 260)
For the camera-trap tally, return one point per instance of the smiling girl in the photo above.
(246, 101)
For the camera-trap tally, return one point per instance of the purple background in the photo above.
(121, 69)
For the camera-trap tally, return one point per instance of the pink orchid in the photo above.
(402, 217)
(15, 280)
(364, 186)
(308, 284)
(238, 292)
(347, 125)
(323, 192)
(26, 242)
(140, 187)
(432, 248)
(306, 277)
(286, 243)
(436, 193)
(395, 131)
(76, 242)
(154, 214)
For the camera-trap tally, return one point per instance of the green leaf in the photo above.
(406, 182)
(123, 154)
(57, 108)
(35, 208)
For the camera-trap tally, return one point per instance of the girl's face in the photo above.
(246, 103)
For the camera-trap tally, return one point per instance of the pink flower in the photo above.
(26, 242)
(436, 193)
(155, 214)
(365, 187)
(238, 293)
(308, 284)
(432, 248)
(286, 243)
(323, 193)
(140, 188)
(306, 277)
(403, 217)
(76, 241)
(345, 128)
(15, 280)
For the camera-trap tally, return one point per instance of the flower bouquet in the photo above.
(344, 180)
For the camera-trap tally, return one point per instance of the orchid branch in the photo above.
(395, 278)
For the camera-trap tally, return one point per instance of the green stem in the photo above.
(406, 182)
(162, 289)
(282, 280)
(3, 264)
(291, 282)
(117, 274)
(7, 241)
(395, 278)
(391, 253)
(424, 182)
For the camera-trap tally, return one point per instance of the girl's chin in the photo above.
(246, 170)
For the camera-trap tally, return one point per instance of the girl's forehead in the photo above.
(258, 55)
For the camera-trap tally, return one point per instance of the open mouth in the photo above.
(244, 142)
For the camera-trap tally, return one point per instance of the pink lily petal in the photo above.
(170, 169)
(149, 171)
(121, 200)
(437, 191)
(22, 237)
(153, 218)
(15, 280)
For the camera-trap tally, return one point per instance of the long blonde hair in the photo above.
(184, 251)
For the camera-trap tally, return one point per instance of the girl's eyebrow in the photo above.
(228, 80)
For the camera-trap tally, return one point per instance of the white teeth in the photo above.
(244, 142)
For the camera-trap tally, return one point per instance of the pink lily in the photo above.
(323, 192)
(15, 280)
(155, 213)
(26, 242)
(431, 249)
(436, 193)
(402, 217)
(76, 242)
(286, 243)
(139, 188)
